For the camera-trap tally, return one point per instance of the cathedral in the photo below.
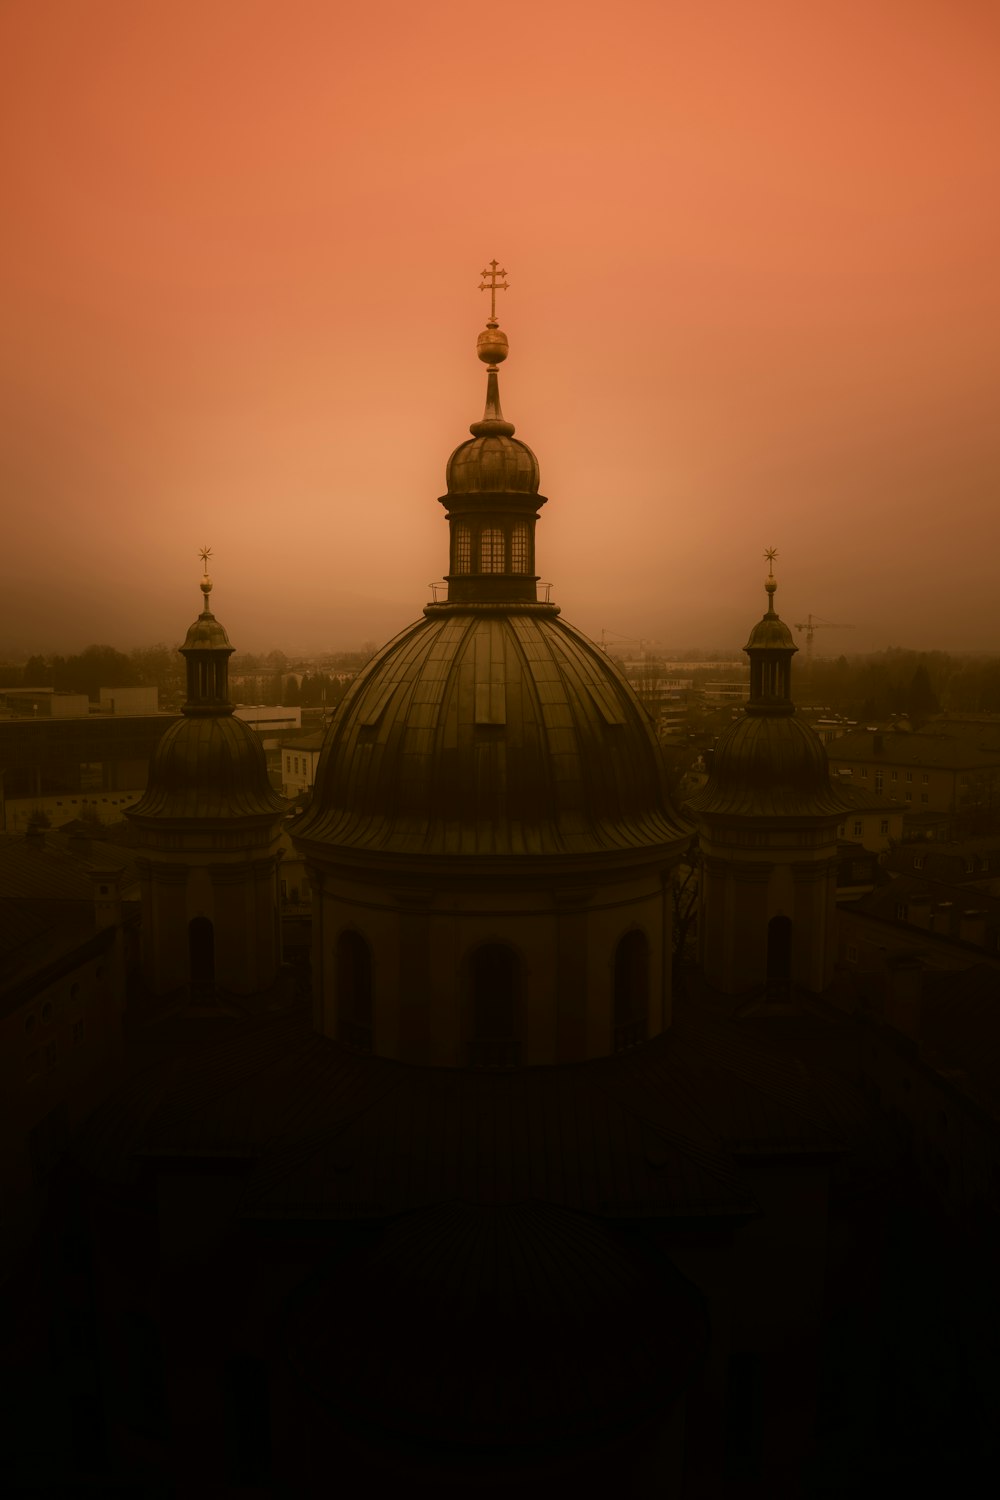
(493, 1210)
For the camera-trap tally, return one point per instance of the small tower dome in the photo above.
(206, 828)
(767, 826)
(768, 762)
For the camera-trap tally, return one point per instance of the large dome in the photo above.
(481, 731)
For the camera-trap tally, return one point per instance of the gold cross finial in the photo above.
(493, 285)
(770, 553)
(205, 553)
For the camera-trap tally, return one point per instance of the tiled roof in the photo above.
(52, 869)
(312, 741)
(860, 799)
(609, 1328)
(329, 1133)
(959, 1021)
(944, 896)
(946, 860)
(933, 751)
(35, 934)
(47, 901)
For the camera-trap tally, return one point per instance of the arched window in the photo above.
(631, 1009)
(201, 957)
(779, 954)
(494, 983)
(354, 991)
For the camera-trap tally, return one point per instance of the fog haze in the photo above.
(753, 302)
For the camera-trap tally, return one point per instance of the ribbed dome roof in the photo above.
(490, 732)
(206, 634)
(211, 767)
(770, 634)
(769, 765)
(492, 463)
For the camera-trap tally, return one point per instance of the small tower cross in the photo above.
(205, 553)
(770, 553)
(493, 285)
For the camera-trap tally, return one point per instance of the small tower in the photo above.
(492, 501)
(767, 825)
(207, 832)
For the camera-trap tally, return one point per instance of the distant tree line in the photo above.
(916, 683)
(99, 667)
(896, 681)
(875, 686)
(162, 666)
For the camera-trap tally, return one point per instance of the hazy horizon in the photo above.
(753, 302)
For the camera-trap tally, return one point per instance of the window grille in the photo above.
(463, 548)
(492, 550)
(519, 548)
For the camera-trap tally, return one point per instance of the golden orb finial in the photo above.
(206, 582)
(770, 585)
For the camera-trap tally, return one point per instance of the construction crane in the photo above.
(813, 622)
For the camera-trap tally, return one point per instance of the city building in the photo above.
(875, 822)
(299, 759)
(129, 700)
(68, 944)
(59, 767)
(936, 773)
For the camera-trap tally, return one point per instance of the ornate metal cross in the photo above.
(205, 553)
(493, 286)
(770, 554)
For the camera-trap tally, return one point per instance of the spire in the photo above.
(492, 348)
(770, 586)
(770, 649)
(206, 651)
(492, 500)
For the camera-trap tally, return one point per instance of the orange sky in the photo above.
(752, 248)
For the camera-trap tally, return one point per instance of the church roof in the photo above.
(490, 732)
(769, 767)
(491, 728)
(769, 763)
(936, 751)
(208, 768)
(614, 1331)
(330, 1134)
